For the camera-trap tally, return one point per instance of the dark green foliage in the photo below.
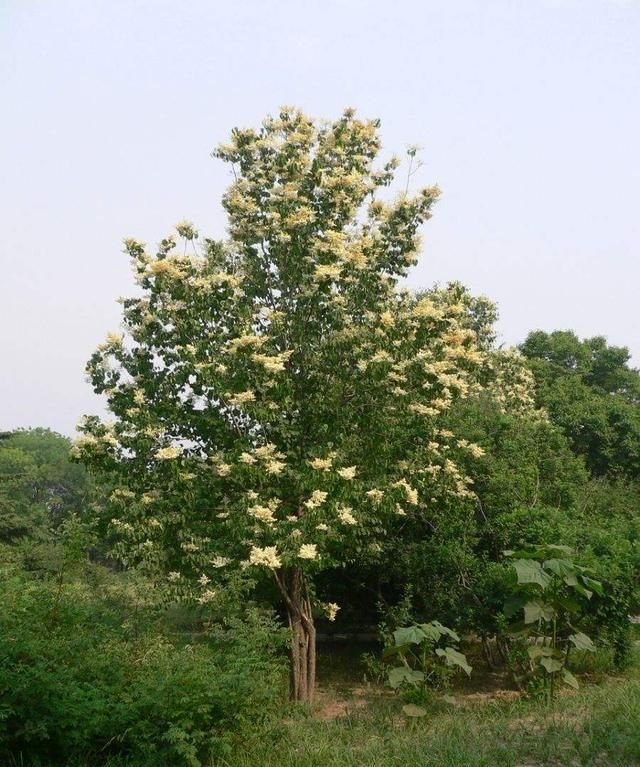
(39, 485)
(20, 513)
(87, 672)
(592, 394)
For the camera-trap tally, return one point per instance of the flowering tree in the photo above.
(277, 399)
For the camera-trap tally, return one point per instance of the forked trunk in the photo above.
(292, 586)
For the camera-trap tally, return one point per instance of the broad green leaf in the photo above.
(444, 631)
(568, 603)
(530, 571)
(561, 549)
(569, 679)
(539, 651)
(454, 658)
(408, 635)
(402, 674)
(560, 567)
(550, 664)
(593, 585)
(431, 631)
(582, 642)
(535, 611)
(412, 710)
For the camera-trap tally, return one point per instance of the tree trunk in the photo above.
(291, 583)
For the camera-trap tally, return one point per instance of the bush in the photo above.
(81, 680)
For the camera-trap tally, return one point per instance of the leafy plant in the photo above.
(550, 597)
(428, 660)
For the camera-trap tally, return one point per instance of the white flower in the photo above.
(174, 576)
(187, 230)
(345, 515)
(421, 409)
(375, 495)
(324, 271)
(247, 458)
(207, 596)
(321, 464)
(387, 319)
(318, 497)
(274, 364)
(267, 557)
(349, 472)
(115, 339)
(274, 467)
(263, 513)
(322, 527)
(241, 398)
(246, 341)
(203, 580)
(167, 453)
(331, 610)
(266, 451)
(308, 551)
(410, 493)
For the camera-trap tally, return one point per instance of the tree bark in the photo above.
(292, 585)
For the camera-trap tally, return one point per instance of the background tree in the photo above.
(591, 393)
(39, 484)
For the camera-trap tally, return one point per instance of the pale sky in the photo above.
(528, 112)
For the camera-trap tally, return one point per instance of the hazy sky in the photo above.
(528, 112)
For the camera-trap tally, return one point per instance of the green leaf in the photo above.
(535, 611)
(569, 679)
(593, 585)
(431, 632)
(539, 651)
(437, 630)
(412, 710)
(560, 567)
(550, 664)
(530, 571)
(561, 549)
(409, 635)
(582, 642)
(402, 674)
(454, 658)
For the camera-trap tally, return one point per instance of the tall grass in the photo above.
(599, 725)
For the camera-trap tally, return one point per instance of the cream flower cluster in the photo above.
(266, 557)
(168, 453)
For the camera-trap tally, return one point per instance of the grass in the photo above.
(357, 725)
(599, 725)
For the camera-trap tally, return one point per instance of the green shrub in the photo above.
(81, 679)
